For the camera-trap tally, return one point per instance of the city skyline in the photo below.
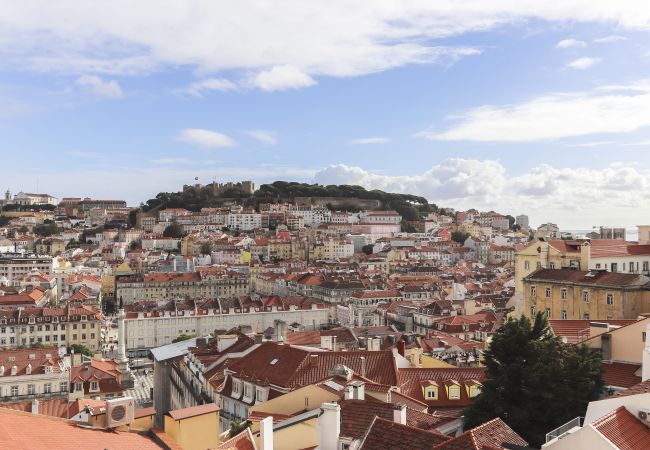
(542, 112)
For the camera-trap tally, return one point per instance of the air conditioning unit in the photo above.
(119, 411)
(644, 414)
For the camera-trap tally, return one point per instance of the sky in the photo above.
(523, 107)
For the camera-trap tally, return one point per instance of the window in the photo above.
(454, 393)
(548, 313)
(63, 386)
(432, 393)
(94, 386)
(474, 391)
(548, 292)
(564, 293)
(14, 391)
(78, 387)
(614, 267)
(47, 388)
(585, 296)
(610, 299)
(585, 316)
(31, 389)
(533, 291)
(632, 267)
(598, 266)
(533, 310)
(551, 265)
(564, 315)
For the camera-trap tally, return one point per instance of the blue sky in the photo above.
(543, 110)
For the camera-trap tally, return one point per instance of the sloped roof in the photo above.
(623, 430)
(388, 435)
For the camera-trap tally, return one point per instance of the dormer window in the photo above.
(454, 392)
(28, 370)
(78, 387)
(94, 386)
(14, 370)
(431, 393)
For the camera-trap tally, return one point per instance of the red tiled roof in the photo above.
(242, 441)
(620, 374)
(584, 277)
(578, 330)
(624, 430)
(412, 379)
(49, 433)
(639, 388)
(388, 435)
(490, 435)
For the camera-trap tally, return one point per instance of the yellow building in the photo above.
(194, 428)
(474, 229)
(586, 295)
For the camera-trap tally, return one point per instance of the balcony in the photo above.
(564, 430)
(188, 386)
(39, 396)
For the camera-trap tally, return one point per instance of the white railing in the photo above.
(563, 430)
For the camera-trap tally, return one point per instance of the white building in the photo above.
(25, 198)
(152, 329)
(244, 221)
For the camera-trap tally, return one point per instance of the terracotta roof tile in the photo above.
(388, 435)
(621, 374)
(490, 435)
(623, 430)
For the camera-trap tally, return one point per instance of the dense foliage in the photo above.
(173, 230)
(411, 207)
(534, 381)
(459, 236)
(184, 337)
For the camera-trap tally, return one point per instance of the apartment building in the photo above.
(205, 283)
(148, 325)
(586, 295)
(32, 373)
(15, 265)
(67, 326)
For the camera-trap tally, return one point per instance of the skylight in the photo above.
(274, 361)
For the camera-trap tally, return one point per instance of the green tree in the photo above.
(237, 427)
(73, 243)
(459, 236)
(78, 348)
(184, 337)
(47, 228)
(23, 229)
(367, 249)
(133, 217)
(534, 382)
(173, 230)
(206, 248)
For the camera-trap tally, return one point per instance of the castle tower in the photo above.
(8, 195)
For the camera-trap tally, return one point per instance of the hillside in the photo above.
(193, 198)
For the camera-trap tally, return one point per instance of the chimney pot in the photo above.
(313, 360)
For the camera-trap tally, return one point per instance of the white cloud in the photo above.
(264, 136)
(617, 109)
(280, 78)
(333, 38)
(571, 43)
(205, 138)
(201, 87)
(583, 63)
(171, 161)
(610, 38)
(371, 140)
(99, 87)
(572, 197)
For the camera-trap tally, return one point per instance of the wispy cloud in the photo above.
(99, 87)
(171, 161)
(202, 87)
(264, 136)
(610, 38)
(205, 138)
(371, 140)
(553, 116)
(583, 63)
(571, 43)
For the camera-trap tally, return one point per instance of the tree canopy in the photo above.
(535, 382)
(459, 236)
(174, 230)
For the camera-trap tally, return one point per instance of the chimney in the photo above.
(35, 406)
(363, 366)
(349, 395)
(313, 360)
(399, 414)
(358, 390)
(401, 347)
(200, 342)
(266, 433)
(329, 426)
(645, 366)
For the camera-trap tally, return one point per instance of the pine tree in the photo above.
(534, 382)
